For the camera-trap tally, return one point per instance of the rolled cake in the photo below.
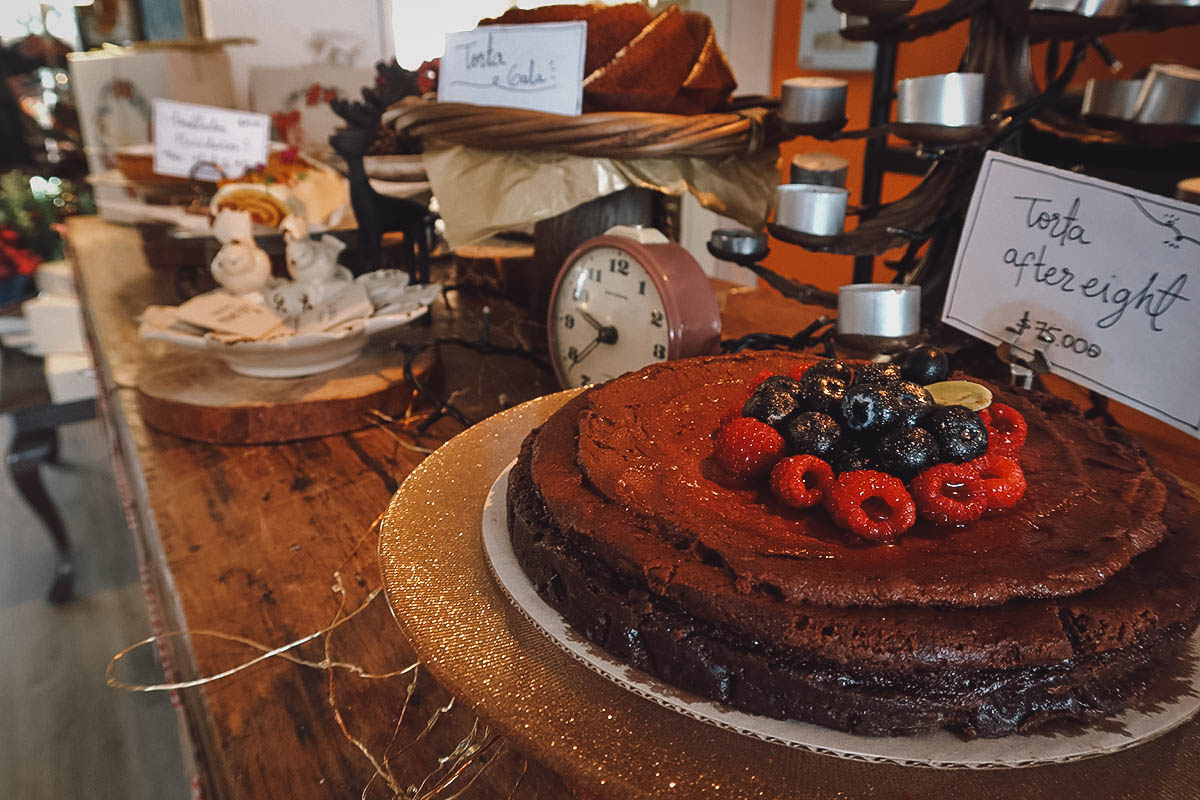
(1065, 606)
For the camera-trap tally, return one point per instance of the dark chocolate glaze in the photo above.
(670, 603)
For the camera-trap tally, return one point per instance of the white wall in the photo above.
(747, 37)
(292, 32)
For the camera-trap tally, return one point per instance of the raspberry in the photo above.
(801, 481)
(1007, 429)
(1002, 479)
(758, 379)
(747, 447)
(872, 504)
(950, 494)
(797, 372)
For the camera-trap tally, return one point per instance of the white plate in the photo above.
(940, 749)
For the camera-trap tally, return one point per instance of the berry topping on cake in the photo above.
(915, 401)
(905, 452)
(802, 481)
(1002, 479)
(850, 456)
(871, 407)
(1007, 429)
(875, 372)
(960, 433)
(950, 494)
(773, 402)
(873, 505)
(747, 448)
(821, 391)
(758, 379)
(834, 368)
(925, 365)
(797, 372)
(812, 433)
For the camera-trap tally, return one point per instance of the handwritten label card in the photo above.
(1104, 280)
(237, 316)
(535, 67)
(186, 134)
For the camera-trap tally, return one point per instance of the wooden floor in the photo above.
(63, 733)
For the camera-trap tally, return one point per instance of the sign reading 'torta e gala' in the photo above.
(536, 67)
(1103, 279)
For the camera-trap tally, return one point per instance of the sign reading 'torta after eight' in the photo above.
(536, 67)
(1101, 278)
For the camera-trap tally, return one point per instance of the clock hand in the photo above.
(606, 334)
(581, 355)
(591, 320)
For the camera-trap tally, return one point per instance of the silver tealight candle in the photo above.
(813, 99)
(811, 209)
(953, 99)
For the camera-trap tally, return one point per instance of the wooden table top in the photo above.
(246, 540)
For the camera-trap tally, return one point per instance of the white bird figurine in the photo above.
(310, 261)
(240, 266)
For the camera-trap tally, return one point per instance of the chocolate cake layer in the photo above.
(670, 605)
(645, 447)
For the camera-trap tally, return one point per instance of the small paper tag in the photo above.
(224, 313)
(344, 305)
(1098, 278)
(536, 67)
(186, 134)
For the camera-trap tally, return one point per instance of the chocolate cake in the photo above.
(1065, 606)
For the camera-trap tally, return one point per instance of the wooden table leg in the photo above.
(29, 450)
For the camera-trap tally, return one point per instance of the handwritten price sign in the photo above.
(535, 67)
(1096, 276)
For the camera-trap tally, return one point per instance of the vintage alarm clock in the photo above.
(626, 299)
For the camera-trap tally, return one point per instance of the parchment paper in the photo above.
(484, 192)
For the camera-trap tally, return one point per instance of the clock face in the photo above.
(608, 318)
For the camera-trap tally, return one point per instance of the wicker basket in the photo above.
(611, 134)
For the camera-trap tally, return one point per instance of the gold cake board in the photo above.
(605, 739)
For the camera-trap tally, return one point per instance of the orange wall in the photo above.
(934, 54)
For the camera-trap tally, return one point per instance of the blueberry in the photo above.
(905, 452)
(960, 433)
(812, 433)
(821, 392)
(849, 458)
(780, 382)
(871, 408)
(877, 372)
(925, 365)
(772, 405)
(915, 401)
(834, 368)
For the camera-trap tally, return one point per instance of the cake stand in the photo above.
(601, 737)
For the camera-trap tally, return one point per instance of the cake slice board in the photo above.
(196, 396)
(940, 749)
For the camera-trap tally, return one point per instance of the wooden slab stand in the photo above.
(198, 397)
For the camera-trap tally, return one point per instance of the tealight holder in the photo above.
(874, 8)
(810, 209)
(1169, 12)
(878, 317)
(940, 109)
(737, 244)
(1170, 95)
(1109, 99)
(1071, 19)
(811, 104)
(819, 169)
